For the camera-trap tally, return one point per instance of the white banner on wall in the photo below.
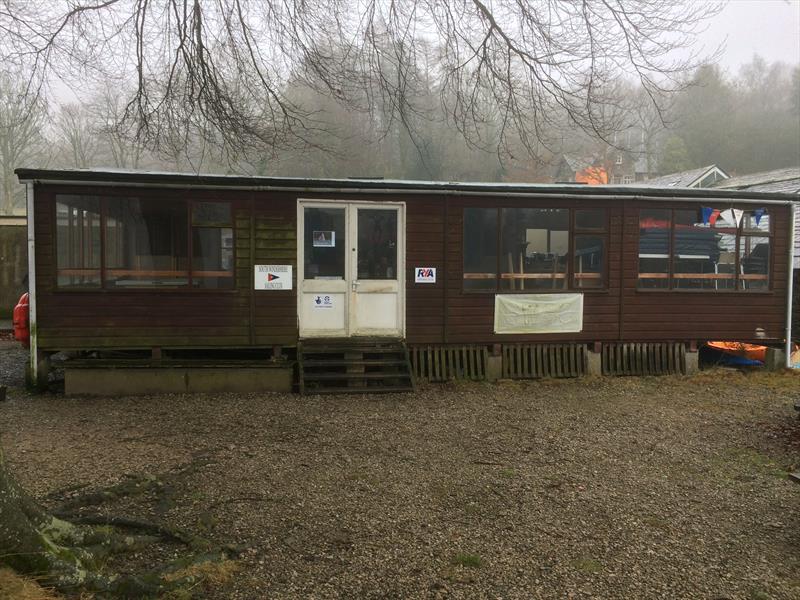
(538, 313)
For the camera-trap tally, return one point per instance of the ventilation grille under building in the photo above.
(644, 359)
(442, 363)
(534, 361)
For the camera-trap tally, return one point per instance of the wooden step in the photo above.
(346, 366)
(367, 362)
(383, 389)
(353, 375)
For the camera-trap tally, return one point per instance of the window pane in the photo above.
(534, 246)
(590, 219)
(211, 213)
(754, 263)
(146, 243)
(654, 230)
(212, 257)
(704, 257)
(589, 264)
(377, 243)
(78, 241)
(480, 248)
(756, 221)
(324, 243)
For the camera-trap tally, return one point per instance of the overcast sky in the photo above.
(770, 28)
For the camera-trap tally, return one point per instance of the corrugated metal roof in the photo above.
(682, 179)
(779, 180)
(164, 178)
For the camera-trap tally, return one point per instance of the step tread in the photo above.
(369, 375)
(359, 390)
(346, 362)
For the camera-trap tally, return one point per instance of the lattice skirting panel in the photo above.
(533, 361)
(666, 358)
(442, 363)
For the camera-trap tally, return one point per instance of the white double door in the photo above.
(351, 269)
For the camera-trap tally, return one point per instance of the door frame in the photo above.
(351, 225)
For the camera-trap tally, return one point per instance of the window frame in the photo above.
(104, 198)
(569, 275)
(740, 233)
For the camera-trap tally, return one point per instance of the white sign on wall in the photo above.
(424, 275)
(273, 277)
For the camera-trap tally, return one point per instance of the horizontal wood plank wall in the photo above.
(704, 316)
(69, 319)
(275, 241)
(471, 314)
(425, 318)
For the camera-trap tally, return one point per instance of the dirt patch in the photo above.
(614, 488)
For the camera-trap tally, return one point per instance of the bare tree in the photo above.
(223, 65)
(22, 120)
(78, 135)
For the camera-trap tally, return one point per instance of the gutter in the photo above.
(790, 286)
(444, 190)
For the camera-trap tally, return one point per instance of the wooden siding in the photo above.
(442, 313)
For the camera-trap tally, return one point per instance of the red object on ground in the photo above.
(751, 351)
(22, 331)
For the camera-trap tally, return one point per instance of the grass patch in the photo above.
(22, 588)
(508, 473)
(586, 565)
(464, 559)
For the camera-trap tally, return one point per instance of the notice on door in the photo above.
(323, 302)
(273, 277)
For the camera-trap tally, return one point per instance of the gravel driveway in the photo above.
(596, 488)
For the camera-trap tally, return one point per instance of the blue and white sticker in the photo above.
(322, 301)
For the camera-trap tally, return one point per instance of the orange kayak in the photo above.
(749, 351)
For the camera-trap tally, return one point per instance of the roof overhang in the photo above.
(157, 179)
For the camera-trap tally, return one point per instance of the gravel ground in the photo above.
(597, 488)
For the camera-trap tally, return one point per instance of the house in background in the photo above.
(13, 261)
(589, 171)
(703, 177)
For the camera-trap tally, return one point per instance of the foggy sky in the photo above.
(769, 28)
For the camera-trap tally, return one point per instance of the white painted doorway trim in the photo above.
(346, 287)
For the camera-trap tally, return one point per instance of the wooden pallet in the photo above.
(534, 361)
(443, 363)
(651, 358)
(353, 366)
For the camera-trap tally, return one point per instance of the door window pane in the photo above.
(534, 246)
(377, 244)
(78, 241)
(324, 245)
(480, 249)
(654, 232)
(589, 261)
(146, 243)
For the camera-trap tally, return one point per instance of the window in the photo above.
(626, 179)
(78, 241)
(534, 244)
(148, 243)
(704, 249)
(590, 249)
(531, 249)
(145, 243)
(212, 245)
(480, 249)
(324, 243)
